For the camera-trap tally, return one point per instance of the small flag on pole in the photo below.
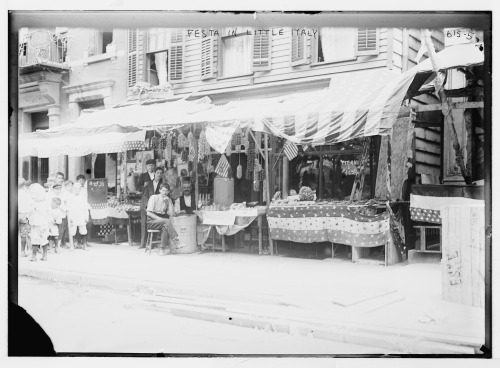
(291, 150)
(222, 167)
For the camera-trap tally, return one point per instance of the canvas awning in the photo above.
(357, 104)
(74, 141)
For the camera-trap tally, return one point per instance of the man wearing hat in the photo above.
(141, 185)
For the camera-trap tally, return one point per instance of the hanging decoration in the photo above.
(203, 146)
(210, 167)
(246, 141)
(193, 177)
(168, 147)
(182, 140)
(250, 160)
(256, 182)
(184, 155)
(222, 167)
(239, 168)
(192, 152)
(154, 141)
(163, 142)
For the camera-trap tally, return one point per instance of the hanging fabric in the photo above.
(181, 140)
(291, 150)
(228, 149)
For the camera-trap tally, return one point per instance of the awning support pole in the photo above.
(268, 184)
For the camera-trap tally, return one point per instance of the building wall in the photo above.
(281, 70)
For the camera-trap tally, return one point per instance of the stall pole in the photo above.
(284, 192)
(195, 163)
(266, 143)
(196, 184)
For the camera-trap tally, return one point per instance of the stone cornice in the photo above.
(40, 76)
(89, 86)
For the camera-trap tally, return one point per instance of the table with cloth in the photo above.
(337, 223)
(116, 214)
(229, 222)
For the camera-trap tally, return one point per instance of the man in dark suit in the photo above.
(144, 179)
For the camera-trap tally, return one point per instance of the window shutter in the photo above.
(298, 50)
(176, 55)
(262, 51)
(368, 41)
(132, 58)
(207, 58)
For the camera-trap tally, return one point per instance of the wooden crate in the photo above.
(463, 262)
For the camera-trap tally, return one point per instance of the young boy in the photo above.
(78, 214)
(66, 193)
(38, 219)
(23, 210)
(55, 220)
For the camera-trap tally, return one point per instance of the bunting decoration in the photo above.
(222, 168)
(291, 150)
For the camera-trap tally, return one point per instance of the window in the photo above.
(262, 51)
(334, 44)
(235, 58)
(98, 41)
(62, 46)
(165, 55)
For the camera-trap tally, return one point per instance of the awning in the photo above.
(74, 141)
(147, 115)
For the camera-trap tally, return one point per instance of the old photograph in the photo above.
(250, 184)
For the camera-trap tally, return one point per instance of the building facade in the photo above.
(65, 71)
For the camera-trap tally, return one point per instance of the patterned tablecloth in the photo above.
(343, 224)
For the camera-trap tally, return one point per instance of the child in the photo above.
(23, 210)
(78, 214)
(38, 221)
(55, 220)
(66, 193)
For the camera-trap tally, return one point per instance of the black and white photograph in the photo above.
(250, 184)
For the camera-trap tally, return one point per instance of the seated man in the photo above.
(159, 210)
(186, 203)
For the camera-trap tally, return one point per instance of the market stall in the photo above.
(322, 140)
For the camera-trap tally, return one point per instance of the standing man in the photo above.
(186, 203)
(150, 187)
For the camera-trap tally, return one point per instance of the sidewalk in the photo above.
(397, 307)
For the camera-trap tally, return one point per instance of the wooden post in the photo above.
(118, 164)
(266, 147)
(446, 106)
(320, 174)
(284, 192)
(195, 163)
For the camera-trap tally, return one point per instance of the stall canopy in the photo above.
(357, 104)
(75, 141)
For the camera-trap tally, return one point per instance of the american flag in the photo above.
(291, 150)
(222, 167)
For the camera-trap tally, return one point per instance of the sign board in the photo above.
(97, 191)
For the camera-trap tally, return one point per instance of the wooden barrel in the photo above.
(185, 225)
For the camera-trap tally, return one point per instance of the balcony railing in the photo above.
(43, 48)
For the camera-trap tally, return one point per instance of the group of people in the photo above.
(157, 207)
(47, 215)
